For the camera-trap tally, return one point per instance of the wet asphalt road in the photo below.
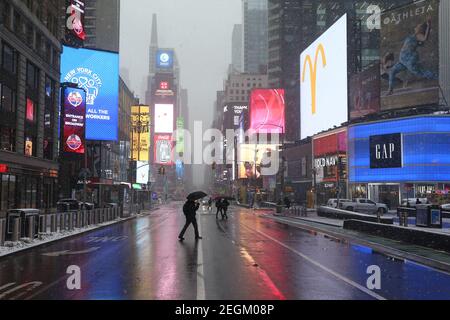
(247, 257)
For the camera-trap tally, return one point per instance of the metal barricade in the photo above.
(2, 231)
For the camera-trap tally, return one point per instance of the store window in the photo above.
(30, 146)
(7, 192)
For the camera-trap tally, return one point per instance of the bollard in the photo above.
(16, 229)
(70, 224)
(42, 224)
(96, 216)
(62, 225)
(405, 219)
(2, 231)
(53, 224)
(30, 224)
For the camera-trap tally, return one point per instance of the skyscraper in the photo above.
(236, 50)
(255, 37)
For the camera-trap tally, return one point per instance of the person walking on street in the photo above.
(210, 204)
(219, 206)
(190, 210)
(225, 205)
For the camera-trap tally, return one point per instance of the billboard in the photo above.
(180, 136)
(267, 111)
(74, 120)
(164, 59)
(142, 170)
(365, 93)
(75, 33)
(97, 72)
(233, 113)
(247, 155)
(163, 149)
(323, 83)
(164, 118)
(410, 55)
(140, 133)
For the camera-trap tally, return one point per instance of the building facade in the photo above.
(30, 52)
(236, 49)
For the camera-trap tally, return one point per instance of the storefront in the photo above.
(330, 165)
(391, 161)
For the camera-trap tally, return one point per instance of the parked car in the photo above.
(413, 202)
(64, 205)
(445, 207)
(365, 206)
(332, 203)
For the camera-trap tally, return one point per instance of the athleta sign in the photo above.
(75, 33)
(386, 151)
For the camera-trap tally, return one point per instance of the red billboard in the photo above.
(74, 127)
(164, 149)
(267, 111)
(75, 32)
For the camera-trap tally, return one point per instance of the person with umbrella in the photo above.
(219, 206)
(190, 209)
(225, 205)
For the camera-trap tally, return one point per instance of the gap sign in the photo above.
(386, 151)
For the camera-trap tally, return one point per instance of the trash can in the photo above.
(28, 219)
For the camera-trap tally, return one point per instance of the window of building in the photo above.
(30, 146)
(9, 58)
(7, 139)
(32, 76)
(8, 99)
(7, 192)
(30, 110)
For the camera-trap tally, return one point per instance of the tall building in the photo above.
(102, 31)
(236, 49)
(255, 37)
(30, 52)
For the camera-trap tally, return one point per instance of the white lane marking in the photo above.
(69, 253)
(7, 286)
(201, 294)
(321, 266)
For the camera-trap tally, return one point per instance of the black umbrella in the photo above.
(225, 197)
(196, 196)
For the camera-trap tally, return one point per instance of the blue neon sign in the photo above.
(426, 150)
(164, 59)
(98, 73)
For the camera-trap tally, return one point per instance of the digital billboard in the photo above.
(75, 33)
(163, 149)
(247, 155)
(140, 133)
(180, 136)
(142, 172)
(410, 55)
(164, 59)
(365, 93)
(323, 83)
(164, 118)
(233, 113)
(74, 120)
(97, 72)
(406, 150)
(267, 111)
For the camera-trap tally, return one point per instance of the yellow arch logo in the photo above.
(313, 73)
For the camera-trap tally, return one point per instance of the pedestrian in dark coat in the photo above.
(219, 206)
(225, 205)
(190, 210)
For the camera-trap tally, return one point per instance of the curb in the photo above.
(69, 236)
(307, 220)
(378, 248)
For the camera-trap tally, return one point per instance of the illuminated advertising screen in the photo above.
(142, 172)
(180, 136)
(400, 151)
(410, 55)
(164, 59)
(98, 73)
(267, 111)
(140, 133)
(365, 93)
(164, 118)
(233, 113)
(323, 83)
(163, 149)
(75, 32)
(74, 120)
(248, 154)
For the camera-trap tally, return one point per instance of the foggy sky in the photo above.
(199, 30)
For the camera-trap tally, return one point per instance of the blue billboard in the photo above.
(424, 145)
(97, 72)
(164, 59)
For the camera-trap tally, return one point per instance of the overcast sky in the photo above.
(199, 30)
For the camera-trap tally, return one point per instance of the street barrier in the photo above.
(32, 226)
(2, 231)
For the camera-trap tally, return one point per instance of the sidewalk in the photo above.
(27, 244)
(393, 248)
